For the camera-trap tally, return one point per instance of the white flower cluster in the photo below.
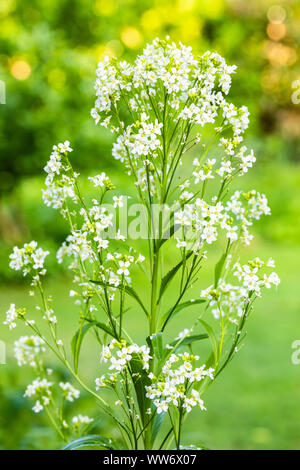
(201, 220)
(80, 421)
(12, 315)
(191, 82)
(29, 257)
(69, 392)
(28, 349)
(60, 184)
(252, 278)
(78, 246)
(118, 354)
(174, 386)
(86, 245)
(230, 300)
(91, 240)
(237, 164)
(227, 300)
(140, 139)
(40, 390)
(101, 180)
(165, 75)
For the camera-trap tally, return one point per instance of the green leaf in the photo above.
(129, 290)
(186, 341)
(169, 234)
(140, 379)
(169, 276)
(103, 327)
(91, 441)
(173, 311)
(213, 358)
(79, 335)
(155, 343)
(158, 421)
(77, 341)
(219, 268)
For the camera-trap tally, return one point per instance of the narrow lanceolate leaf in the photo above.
(140, 380)
(129, 290)
(186, 341)
(155, 343)
(169, 276)
(92, 440)
(169, 234)
(173, 311)
(77, 341)
(107, 329)
(213, 358)
(219, 268)
(79, 335)
(158, 421)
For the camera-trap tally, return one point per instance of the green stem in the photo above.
(55, 424)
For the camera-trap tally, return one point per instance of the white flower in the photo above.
(102, 244)
(232, 233)
(69, 392)
(65, 147)
(274, 279)
(27, 350)
(39, 389)
(28, 257)
(174, 383)
(183, 334)
(100, 382)
(37, 407)
(101, 180)
(79, 421)
(123, 269)
(119, 236)
(181, 243)
(118, 201)
(11, 316)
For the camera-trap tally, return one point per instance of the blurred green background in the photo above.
(48, 55)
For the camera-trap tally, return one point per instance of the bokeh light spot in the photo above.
(6, 7)
(131, 37)
(280, 54)
(276, 31)
(20, 69)
(276, 14)
(186, 5)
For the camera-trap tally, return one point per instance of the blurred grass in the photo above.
(253, 404)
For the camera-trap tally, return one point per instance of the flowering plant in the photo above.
(166, 106)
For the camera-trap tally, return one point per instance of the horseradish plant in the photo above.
(181, 142)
